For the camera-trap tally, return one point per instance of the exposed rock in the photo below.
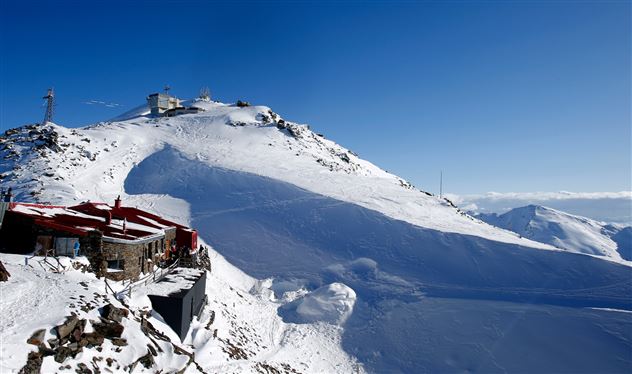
(77, 332)
(67, 327)
(33, 364)
(4, 274)
(119, 342)
(53, 343)
(108, 329)
(242, 104)
(46, 351)
(83, 369)
(345, 157)
(63, 353)
(147, 360)
(113, 313)
(152, 350)
(37, 338)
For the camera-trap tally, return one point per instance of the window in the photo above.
(116, 264)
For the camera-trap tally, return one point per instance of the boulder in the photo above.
(67, 327)
(93, 338)
(83, 369)
(63, 353)
(37, 338)
(77, 332)
(113, 313)
(108, 329)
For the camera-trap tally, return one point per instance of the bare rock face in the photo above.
(4, 274)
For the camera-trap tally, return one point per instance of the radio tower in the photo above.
(50, 103)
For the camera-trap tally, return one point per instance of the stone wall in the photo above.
(131, 258)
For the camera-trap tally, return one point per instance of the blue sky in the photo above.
(502, 96)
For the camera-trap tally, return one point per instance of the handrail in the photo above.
(149, 278)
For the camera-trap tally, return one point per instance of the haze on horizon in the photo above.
(510, 97)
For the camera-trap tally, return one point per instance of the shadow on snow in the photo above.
(270, 228)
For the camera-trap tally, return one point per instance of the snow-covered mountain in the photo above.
(398, 280)
(566, 231)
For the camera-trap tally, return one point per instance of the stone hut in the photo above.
(120, 242)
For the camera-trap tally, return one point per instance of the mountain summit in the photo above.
(566, 231)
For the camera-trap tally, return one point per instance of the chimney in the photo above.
(117, 202)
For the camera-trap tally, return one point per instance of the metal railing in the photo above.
(152, 277)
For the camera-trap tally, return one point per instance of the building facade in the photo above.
(161, 102)
(120, 242)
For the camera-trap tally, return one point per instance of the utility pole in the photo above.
(441, 185)
(50, 104)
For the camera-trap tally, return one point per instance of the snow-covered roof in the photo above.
(176, 283)
(119, 224)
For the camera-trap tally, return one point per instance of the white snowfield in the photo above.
(345, 267)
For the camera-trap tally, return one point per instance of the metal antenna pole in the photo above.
(50, 104)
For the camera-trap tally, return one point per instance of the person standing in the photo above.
(76, 248)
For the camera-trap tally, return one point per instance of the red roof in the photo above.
(124, 222)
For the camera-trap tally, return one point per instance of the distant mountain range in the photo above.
(566, 231)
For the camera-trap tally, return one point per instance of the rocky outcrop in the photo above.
(72, 338)
(4, 274)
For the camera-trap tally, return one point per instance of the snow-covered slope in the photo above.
(566, 231)
(93, 162)
(400, 275)
(238, 331)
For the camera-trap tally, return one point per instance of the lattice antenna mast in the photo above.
(205, 94)
(50, 105)
(167, 88)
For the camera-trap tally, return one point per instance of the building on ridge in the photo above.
(120, 242)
